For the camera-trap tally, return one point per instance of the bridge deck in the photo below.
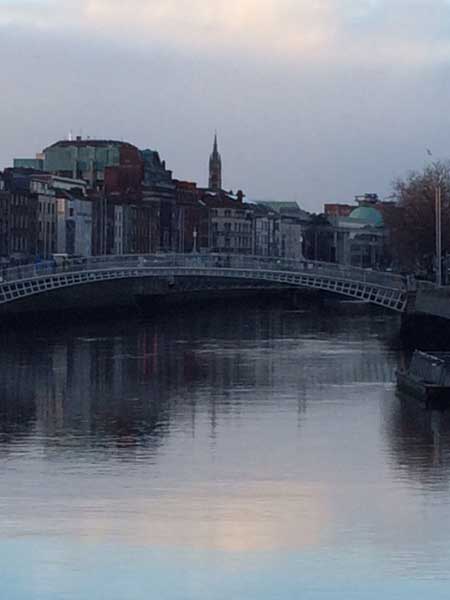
(385, 289)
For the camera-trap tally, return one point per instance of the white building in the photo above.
(284, 234)
(291, 238)
(46, 243)
(74, 225)
(61, 199)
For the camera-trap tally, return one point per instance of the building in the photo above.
(338, 210)
(73, 224)
(215, 168)
(88, 159)
(289, 240)
(191, 213)
(159, 196)
(18, 217)
(116, 171)
(41, 185)
(357, 240)
(36, 163)
(120, 227)
(47, 189)
(103, 222)
(125, 223)
(123, 178)
(162, 196)
(142, 231)
(230, 222)
(154, 169)
(369, 200)
(290, 224)
(356, 234)
(265, 226)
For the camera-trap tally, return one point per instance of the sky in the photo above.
(313, 100)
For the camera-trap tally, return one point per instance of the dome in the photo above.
(366, 213)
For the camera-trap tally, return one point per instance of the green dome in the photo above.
(366, 213)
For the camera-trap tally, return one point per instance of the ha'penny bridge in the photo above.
(52, 287)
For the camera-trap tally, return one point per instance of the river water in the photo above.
(219, 453)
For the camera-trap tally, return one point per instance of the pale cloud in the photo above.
(350, 31)
(234, 23)
(314, 100)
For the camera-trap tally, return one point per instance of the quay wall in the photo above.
(434, 302)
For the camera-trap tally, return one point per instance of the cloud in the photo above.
(235, 23)
(315, 101)
(350, 31)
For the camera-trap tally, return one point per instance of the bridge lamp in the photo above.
(194, 248)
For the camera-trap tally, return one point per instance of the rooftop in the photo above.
(369, 214)
(286, 208)
(89, 142)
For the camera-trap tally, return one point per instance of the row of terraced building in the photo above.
(86, 196)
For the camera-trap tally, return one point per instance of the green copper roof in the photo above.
(366, 213)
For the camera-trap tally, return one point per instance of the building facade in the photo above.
(88, 159)
(47, 189)
(18, 217)
(73, 225)
(230, 223)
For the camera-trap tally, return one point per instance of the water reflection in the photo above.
(237, 431)
(127, 386)
(17, 394)
(419, 442)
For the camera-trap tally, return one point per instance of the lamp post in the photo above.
(194, 248)
(438, 223)
(437, 207)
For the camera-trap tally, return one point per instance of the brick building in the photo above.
(18, 217)
(192, 215)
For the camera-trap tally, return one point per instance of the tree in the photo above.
(411, 221)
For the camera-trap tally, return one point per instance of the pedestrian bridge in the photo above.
(389, 290)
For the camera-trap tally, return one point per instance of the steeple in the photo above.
(215, 168)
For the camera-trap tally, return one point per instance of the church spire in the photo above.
(215, 168)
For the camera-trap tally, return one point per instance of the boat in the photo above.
(427, 378)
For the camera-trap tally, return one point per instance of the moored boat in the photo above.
(427, 378)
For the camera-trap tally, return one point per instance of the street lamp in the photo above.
(437, 207)
(194, 247)
(438, 224)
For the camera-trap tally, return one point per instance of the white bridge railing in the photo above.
(389, 290)
(207, 261)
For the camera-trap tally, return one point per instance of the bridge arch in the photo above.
(383, 289)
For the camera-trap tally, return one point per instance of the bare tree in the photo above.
(411, 222)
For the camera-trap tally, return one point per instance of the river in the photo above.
(219, 453)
